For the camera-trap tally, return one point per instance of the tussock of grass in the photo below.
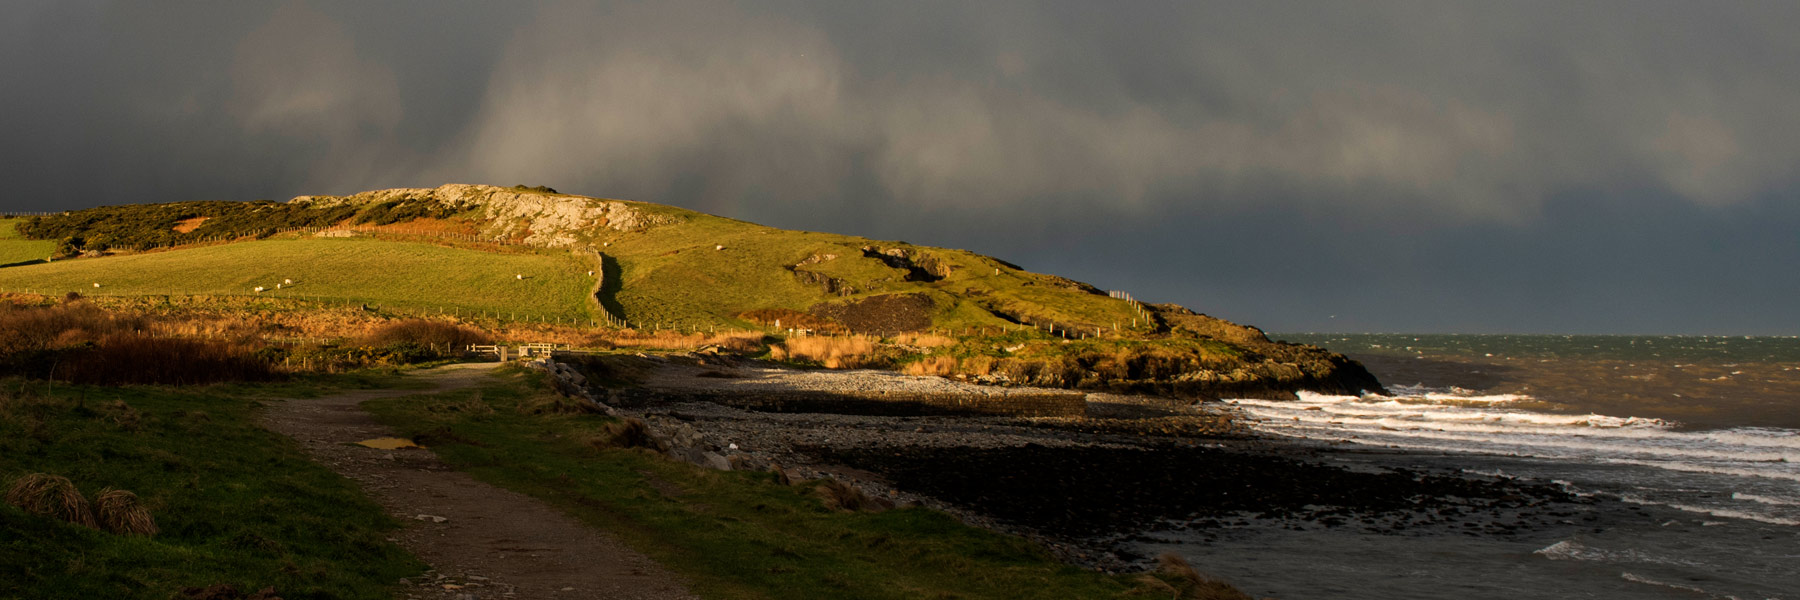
(52, 496)
(625, 433)
(118, 511)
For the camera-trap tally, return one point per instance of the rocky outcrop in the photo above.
(570, 383)
(530, 216)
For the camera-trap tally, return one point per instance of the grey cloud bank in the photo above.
(1597, 167)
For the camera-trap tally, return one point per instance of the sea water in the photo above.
(1689, 445)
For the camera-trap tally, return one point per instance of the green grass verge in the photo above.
(15, 249)
(399, 275)
(237, 504)
(731, 534)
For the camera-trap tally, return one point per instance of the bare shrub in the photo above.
(119, 511)
(81, 343)
(138, 359)
(52, 496)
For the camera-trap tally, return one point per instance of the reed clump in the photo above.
(120, 512)
(52, 496)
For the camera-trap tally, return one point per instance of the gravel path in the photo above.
(481, 541)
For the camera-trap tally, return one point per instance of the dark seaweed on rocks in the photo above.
(1082, 492)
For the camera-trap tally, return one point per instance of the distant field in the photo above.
(13, 249)
(400, 275)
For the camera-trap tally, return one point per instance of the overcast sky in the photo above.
(1434, 166)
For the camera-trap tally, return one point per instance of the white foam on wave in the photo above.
(1442, 421)
(1712, 511)
(1634, 578)
(1574, 550)
(1763, 499)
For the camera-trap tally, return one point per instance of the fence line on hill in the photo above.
(20, 214)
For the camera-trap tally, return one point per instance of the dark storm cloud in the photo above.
(1623, 166)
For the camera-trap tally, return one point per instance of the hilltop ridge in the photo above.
(665, 267)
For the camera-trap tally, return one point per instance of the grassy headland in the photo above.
(667, 268)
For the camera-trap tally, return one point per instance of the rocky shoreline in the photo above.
(1089, 487)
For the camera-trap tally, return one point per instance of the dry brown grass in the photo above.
(119, 511)
(839, 496)
(848, 352)
(787, 318)
(52, 496)
(189, 225)
(1183, 582)
(426, 331)
(735, 341)
(923, 340)
(932, 365)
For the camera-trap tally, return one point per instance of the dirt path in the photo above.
(490, 542)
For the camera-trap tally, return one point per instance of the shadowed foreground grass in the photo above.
(732, 534)
(236, 504)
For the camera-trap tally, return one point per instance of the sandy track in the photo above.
(492, 543)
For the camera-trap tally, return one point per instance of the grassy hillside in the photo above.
(665, 266)
(709, 269)
(16, 249)
(386, 273)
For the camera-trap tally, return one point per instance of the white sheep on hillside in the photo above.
(520, 277)
(96, 285)
(259, 289)
(287, 282)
